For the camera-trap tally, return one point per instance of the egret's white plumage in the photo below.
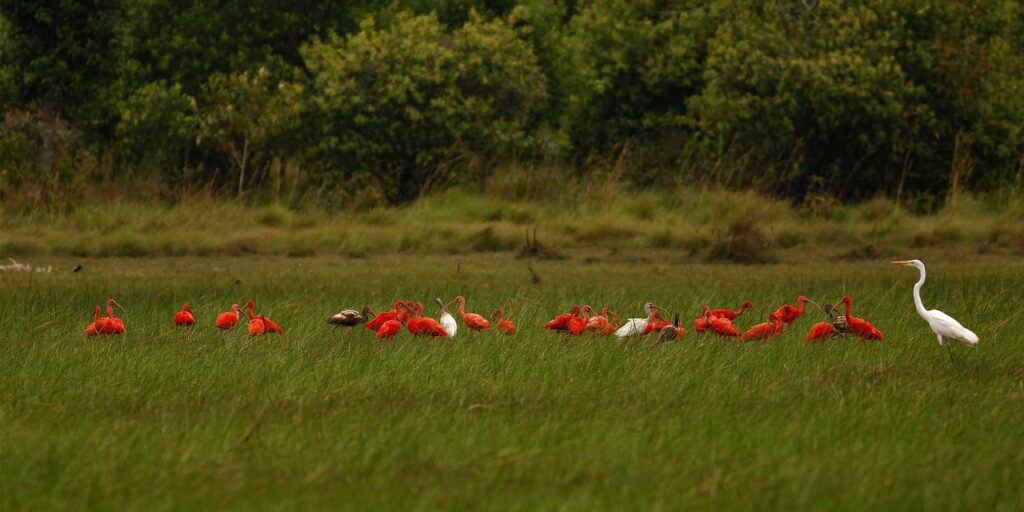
(944, 326)
(636, 326)
(447, 321)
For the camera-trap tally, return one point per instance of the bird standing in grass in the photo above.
(788, 314)
(561, 322)
(637, 326)
(98, 324)
(257, 326)
(228, 319)
(350, 317)
(504, 325)
(944, 326)
(184, 318)
(389, 329)
(113, 324)
(729, 314)
(473, 321)
(764, 331)
(446, 320)
(270, 326)
(862, 328)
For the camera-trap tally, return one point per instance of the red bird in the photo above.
(113, 324)
(719, 326)
(601, 323)
(228, 319)
(729, 314)
(271, 327)
(764, 331)
(821, 331)
(578, 323)
(505, 326)
(98, 324)
(389, 329)
(859, 326)
(561, 322)
(184, 318)
(420, 325)
(788, 314)
(656, 324)
(473, 321)
(398, 313)
(257, 326)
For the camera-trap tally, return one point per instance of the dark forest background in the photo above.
(364, 103)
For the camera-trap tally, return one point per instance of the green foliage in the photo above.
(241, 114)
(916, 99)
(867, 95)
(629, 68)
(157, 123)
(407, 100)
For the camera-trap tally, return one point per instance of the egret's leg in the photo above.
(948, 350)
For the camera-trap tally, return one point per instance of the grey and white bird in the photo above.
(446, 319)
(350, 317)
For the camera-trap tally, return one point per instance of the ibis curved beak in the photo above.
(441, 304)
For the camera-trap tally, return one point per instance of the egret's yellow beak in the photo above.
(904, 262)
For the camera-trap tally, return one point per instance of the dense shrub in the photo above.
(407, 100)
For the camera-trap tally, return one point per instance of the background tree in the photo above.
(58, 58)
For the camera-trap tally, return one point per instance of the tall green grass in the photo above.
(335, 419)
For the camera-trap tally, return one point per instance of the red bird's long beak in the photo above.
(114, 302)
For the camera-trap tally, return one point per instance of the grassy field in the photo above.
(156, 420)
(692, 224)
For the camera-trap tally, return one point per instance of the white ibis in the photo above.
(637, 326)
(447, 320)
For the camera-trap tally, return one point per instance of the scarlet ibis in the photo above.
(821, 331)
(578, 324)
(719, 326)
(113, 325)
(228, 319)
(788, 314)
(184, 318)
(636, 326)
(389, 329)
(257, 326)
(270, 326)
(601, 323)
(656, 324)
(473, 321)
(729, 314)
(398, 311)
(764, 331)
(94, 328)
(673, 331)
(943, 325)
(561, 322)
(350, 317)
(446, 320)
(862, 328)
(425, 326)
(504, 325)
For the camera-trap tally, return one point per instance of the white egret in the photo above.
(637, 326)
(944, 326)
(447, 320)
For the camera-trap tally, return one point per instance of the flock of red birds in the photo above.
(579, 320)
(258, 324)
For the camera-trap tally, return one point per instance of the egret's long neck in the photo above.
(917, 293)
